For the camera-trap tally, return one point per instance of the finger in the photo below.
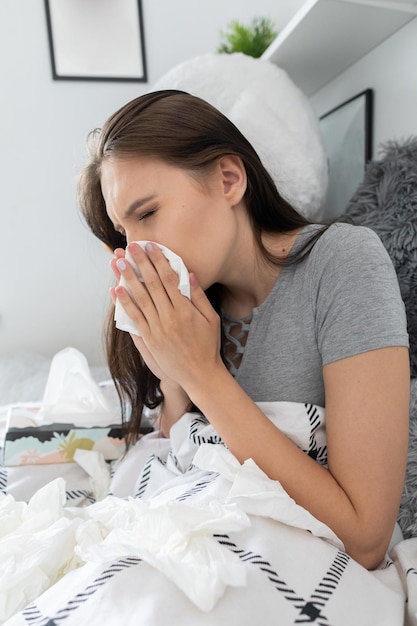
(131, 309)
(160, 279)
(140, 344)
(139, 297)
(119, 253)
(115, 269)
(200, 300)
(167, 276)
(113, 296)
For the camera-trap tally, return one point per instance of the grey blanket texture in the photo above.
(386, 201)
(407, 518)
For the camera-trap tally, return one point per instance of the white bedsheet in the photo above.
(187, 534)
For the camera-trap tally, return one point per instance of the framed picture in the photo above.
(347, 135)
(96, 40)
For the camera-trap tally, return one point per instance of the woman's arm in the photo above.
(175, 404)
(367, 403)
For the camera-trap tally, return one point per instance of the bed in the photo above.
(179, 530)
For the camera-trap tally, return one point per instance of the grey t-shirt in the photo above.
(341, 300)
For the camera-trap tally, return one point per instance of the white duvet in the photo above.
(181, 532)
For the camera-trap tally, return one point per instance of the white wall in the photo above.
(391, 71)
(54, 275)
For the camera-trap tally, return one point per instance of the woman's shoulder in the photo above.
(346, 241)
(350, 255)
(351, 234)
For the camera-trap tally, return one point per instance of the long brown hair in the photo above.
(187, 132)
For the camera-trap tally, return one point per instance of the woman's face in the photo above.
(147, 199)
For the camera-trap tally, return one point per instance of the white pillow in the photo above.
(273, 114)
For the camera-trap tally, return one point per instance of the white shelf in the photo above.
(325, 37)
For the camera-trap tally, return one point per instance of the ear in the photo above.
(233, 178)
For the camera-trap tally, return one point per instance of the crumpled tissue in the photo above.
(43, 540)
(37, 544)
(93, 463)
(74, 413)
(123, 321)
(256, 494)
(177, 539)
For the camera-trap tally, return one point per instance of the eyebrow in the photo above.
(136, 204)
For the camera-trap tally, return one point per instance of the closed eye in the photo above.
(146, 215)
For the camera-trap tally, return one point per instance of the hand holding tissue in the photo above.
(123, 321)
(74, 413)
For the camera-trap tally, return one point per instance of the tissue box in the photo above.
(27, 443)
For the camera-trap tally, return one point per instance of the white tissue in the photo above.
(37, 543)
(93, 463)
(42, 540)
(256, 494)
(177, 539)
(123, 321)
(71, 393)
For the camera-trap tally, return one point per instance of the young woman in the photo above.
(280, 309)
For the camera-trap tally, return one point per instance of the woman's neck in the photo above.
(255, 277)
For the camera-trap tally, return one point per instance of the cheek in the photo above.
(192, 232)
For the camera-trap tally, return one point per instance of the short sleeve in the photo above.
(356, 300)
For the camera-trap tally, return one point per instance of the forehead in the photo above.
(113, 170)
(127, 180)
(141, 167)
(128, 175)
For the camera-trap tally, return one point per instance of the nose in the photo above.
(129, 236)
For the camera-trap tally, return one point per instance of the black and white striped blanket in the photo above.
(181, 532)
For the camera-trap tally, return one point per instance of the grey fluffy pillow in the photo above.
(386, 201)
(407, 517)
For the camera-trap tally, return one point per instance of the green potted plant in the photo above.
(252, 39)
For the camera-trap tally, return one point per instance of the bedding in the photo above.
(179, 528)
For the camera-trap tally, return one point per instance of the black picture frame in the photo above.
(347, 133)
(96, 40)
